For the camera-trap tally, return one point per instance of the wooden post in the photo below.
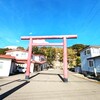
(65, 71)
(29, 59)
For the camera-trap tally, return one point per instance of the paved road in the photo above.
(47, 85)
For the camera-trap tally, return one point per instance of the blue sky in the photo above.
(49, 17)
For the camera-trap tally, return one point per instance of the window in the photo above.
(33, 57)
(16, 54)
(24, 54)
(86, 52)
(91, 63)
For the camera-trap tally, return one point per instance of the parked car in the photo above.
(21, 69)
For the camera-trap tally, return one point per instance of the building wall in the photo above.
(95, 52)
(44, 66)
(5, 65)
(90, 68)
(18, 54)
(32, 67)
(97, 64)
(24, 55)
(84, 56)
(84, 62)
(42, 58)
(13, 68)
(38, 58)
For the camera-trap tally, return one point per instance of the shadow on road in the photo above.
(4, 95)
(9, 82)
(9, 92)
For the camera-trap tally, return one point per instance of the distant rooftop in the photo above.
(16, 50)
(7, 56)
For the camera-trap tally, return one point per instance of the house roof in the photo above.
(40, 62)
(90, 47)
(93, 57)
(16, 50)
(21, 61)
(7, 56)
(24, 61)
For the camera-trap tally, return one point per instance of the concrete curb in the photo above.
(82, 76)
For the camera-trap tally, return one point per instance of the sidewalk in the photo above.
(47, 85)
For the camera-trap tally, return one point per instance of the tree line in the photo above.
(56, 53)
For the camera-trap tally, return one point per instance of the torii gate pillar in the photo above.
(64, 44)
(65, 71)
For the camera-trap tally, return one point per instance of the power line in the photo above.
(90, 16)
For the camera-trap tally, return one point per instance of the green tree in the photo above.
(50, 53)
(71, 57)
(74, 54)
(78, 48)
(59, 54)
(39, 50)
(43, 50)
(20, 48)
(3, 50)
(78, 61)
(35, 49)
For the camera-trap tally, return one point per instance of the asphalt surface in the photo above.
(48, 85)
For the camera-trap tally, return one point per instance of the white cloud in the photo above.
(30, 33)
(17, 41)
(40, 41)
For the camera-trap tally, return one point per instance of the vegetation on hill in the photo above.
(74, 54)
(54, 53)
(20, 48)
(77, 48)
(3, 51)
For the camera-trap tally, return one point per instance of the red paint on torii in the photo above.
(64, 37)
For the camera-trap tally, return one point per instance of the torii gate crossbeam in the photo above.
(64, 44)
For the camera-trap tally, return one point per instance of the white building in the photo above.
(18, 54)
(39, 57)
(90, 60)
(21, 57)
(39, 62)
(7, 65)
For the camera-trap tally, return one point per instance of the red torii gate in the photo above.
(64, 37)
